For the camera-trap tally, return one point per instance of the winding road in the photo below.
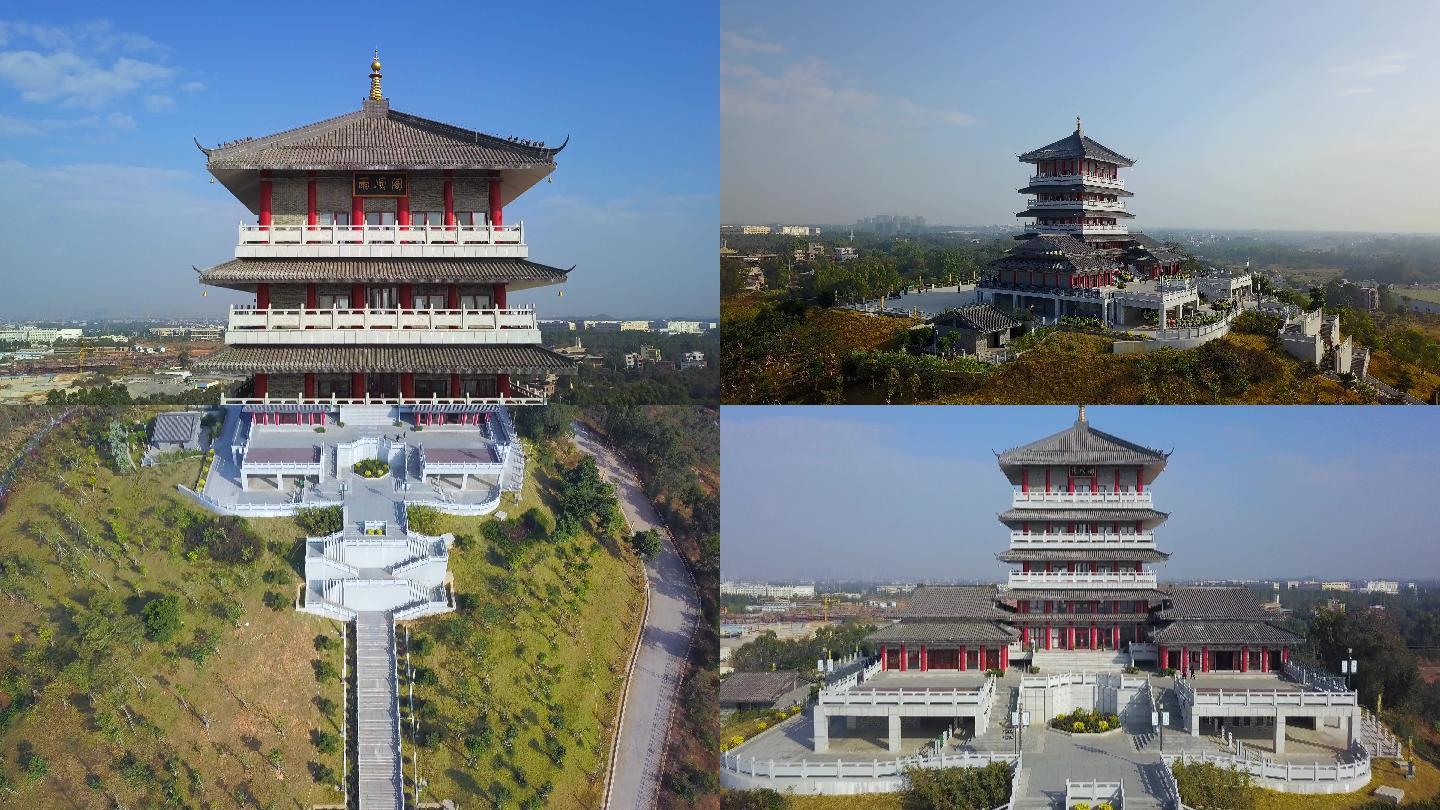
(651, 696)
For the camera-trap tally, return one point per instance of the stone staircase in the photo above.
(377, 712)
(1053, 661)
(1377, 740)
(371, 415)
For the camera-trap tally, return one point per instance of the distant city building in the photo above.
(794, 230)
(891, 225)
(766, 591)
(845, 254)
(746, 230)
(634, 326)
(902, 588)
(1382, 586)
(603, 326)
(647, 354)
(1335, 585)
(578, 353)
(557, 325)
(695, 359)
(34, 334)
(681, 327)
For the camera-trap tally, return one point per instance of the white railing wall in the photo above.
(381, 234)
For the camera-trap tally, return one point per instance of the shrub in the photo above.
(647, 543)
(323, 774)
(372, 468)
(423, 519)
(324, 643)
(162, 618)
(958, 788)
(1205, 784)
(762, 799)
(321, 520)
(326, 742)
(324, 671)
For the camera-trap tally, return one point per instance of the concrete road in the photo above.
(652, 693)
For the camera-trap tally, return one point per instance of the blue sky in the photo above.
(1285, 114)
(109, 203)
(912, 492)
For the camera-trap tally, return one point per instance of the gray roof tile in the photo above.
(1202, 632)
(952, 602)
(335, 270)
(758, 687)
(176, 428)
(485, 359)
(951, 632)
(1081, 444)
(980, 317)
(1076, 145)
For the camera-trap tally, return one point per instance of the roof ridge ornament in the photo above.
(1078, 130)
(375, 94)
(1081, 419)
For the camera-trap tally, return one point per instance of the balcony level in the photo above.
(1081, 540)
(1077, 205)
(1072, 179)
(1039, 499)
(521, 395)
(251, 326)
(1089, 579)
(1078, 229)
(381, 241)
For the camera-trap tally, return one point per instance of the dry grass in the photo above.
(1425, 785)
(257, 692)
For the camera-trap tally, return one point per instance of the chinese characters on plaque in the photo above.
(380, 184)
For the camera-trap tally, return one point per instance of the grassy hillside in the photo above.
(528, 673)
(94, 713)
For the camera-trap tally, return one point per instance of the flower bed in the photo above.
(1081, 721)
(739, 729)
(205, 470)
(372, 468)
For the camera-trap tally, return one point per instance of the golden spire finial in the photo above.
(375, 77)
(1081, 420)
(1078, 130)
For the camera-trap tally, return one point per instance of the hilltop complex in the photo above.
(380, 265)
(1082, 624)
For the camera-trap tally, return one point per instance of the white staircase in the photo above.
(1377, 740)
(1052, 661)
(377, 713)
(370, 415)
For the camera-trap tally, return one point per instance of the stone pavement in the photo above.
(377, 731)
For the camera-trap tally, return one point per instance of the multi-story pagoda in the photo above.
(1078, 257)
(381, 266)
(1081, 527)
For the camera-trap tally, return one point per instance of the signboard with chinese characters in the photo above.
(380, 184)
(1082, 472)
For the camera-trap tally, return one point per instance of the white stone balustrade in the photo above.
(256, 241)
(1100, 229)
(1036, 499)
(248, 325)
(1035, 540)
(1071, 179)
(1078, 579)
(1089, 205)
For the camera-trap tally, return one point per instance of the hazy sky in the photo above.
(1286, 114)
(912, 492)
(107, 203)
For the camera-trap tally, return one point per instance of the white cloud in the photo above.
(159, 103)
(1355, 90)
(742, 43)
(1385, 65)
(14, 126)
(192, 87)
(76, 81)
(97, 36)
(809, 89)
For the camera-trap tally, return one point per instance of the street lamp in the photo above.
(1019, 720)
(1348, 666)
(1160, 720)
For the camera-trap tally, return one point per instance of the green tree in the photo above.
(732, 277)
(647, 543)
(326, 742)
(162, 618)
(958, 788)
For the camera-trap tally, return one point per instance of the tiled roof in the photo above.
(980, 317)
(1141, 554)
(954, 632)
(1229, 604)
(758, 687)
(1200, 632)
(952, 602)
(1047, 243)
(1081, 444)
(376, 137)
(1039, 210)
(1051, 188)
(1077, 618)
(360, 271)
(175, 428)
(485, 359)
(1082, 515)
(1142, 245)
(1076, 145)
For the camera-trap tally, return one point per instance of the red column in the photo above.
(1139, 479)
(1184, 659)
(357, 212)
(962, 657)
(884, 656)
(1047, 479)
(1025, 634)
(312, 214)
(1094, 636)
(1115, 637)
(1117, 479)
(1264, 659)
(1284, 655)
(407, 385)
(1024, 479)
(312, 297)
(504, 384)
(1164, 660)
(407, 296)
(497, 215)
(452, 298)
(264, 203)
(309, 386)
(449, 203)
(924, 658)
(902, 658)
(402, 211)
(1004, 657)
(1070, 632)
(262, 384)
(455, 386)
(262, 296)
(497, 291)
(1204, 659)
(1245, 659)
(981, 658)
(357, 296)
(357, 384)
(1047, 636)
